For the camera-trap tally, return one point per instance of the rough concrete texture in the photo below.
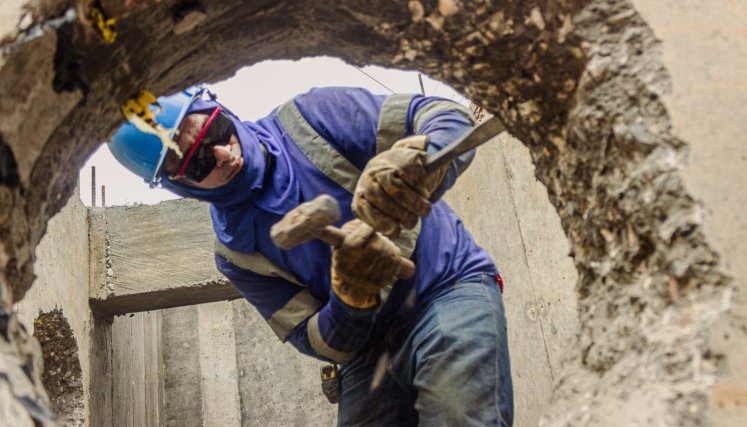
(151, 257)
(705, 49)
(213, 364)
(62, 284)
(137, 366)
(62, 376)
(581, 83)
(281, 385)
(218, 365)
(182, 367)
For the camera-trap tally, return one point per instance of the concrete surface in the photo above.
(509, 214)
(704, 47)
(182, 370)
(218, 368)
(220, 365)
(62, 279)
(156, 257)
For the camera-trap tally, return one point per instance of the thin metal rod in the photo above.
(422, 88)
(93, 185)
(103, 195)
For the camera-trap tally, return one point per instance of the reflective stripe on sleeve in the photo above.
(316, 148)
(295, 311)
(436, 107)
(392, 123)
(254, 262)
(320, 346)
(390, 128)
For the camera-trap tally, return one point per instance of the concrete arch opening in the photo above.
(582, 84)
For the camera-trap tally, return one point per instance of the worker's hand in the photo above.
(394, 188)
(364, 263)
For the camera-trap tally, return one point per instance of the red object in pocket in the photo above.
(499, 279)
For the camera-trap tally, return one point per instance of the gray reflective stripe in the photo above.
(391, 127)
(295, 311)
(407, 240)
(392, 121)
(406, 243)
(255, 262)
(317, 149)
(320, 346)
(436, 107)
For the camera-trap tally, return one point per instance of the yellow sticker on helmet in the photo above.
(138, 112)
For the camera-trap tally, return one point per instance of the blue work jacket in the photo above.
(317, 143)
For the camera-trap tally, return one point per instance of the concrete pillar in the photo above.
(182, 371)
(221, 404)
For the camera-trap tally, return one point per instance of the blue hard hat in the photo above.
(143, 153)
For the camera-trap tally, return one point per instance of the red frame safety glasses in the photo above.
(200, 160)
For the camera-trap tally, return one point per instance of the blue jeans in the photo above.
(449, 366)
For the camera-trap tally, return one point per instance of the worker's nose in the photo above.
(222, 154)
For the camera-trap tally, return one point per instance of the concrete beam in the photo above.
(153, 257)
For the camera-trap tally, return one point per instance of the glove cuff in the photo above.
(354, 298)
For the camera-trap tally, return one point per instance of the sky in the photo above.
(252, 93)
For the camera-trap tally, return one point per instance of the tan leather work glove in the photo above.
(364, 263)
(393, 190)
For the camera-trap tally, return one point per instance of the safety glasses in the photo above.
(200, 160)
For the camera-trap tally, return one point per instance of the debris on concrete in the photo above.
(62, 376)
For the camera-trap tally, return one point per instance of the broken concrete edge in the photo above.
(650, 283)
(98, 246)
(21, 387)
(218, 289)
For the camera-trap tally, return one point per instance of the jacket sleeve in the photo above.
(350, 119)
(444, 122)
(329, 331)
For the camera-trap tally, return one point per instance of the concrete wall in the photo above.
(704, 47)
(167, 367)
(62, 280)
(153, 257)
(508, 212)
(212, 364)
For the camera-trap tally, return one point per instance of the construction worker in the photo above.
(429, 350)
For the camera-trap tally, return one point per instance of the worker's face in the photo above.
(228, 158)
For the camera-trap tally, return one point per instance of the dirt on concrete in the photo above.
(62, 376)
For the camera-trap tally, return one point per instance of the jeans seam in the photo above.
(497, 357)
(397, 381)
